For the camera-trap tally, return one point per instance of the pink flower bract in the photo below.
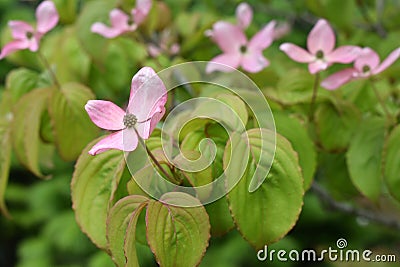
(244, 15)
(25, 36)
(366, 65)
(121, 22)
(145, 109)
(321, 49)
(237, 50)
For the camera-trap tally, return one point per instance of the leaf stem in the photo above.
(48, 67)
(382, 103)
(153, 158)
(314, 97)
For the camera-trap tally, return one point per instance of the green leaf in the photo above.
(220, 217)
(236, 104)
(93, 185)
(64, 45)
(177, 236)
(121, 229)
(334, 174)
(364, 157)
(5, 159)
(392, 163)
(67, 10)
(5, 151)
(26, 128)
(295, 87)
(130, 239)
(335, 125)
(21, 81)
(94, 44)
(73, 128)
(297, 134)
(269, 213)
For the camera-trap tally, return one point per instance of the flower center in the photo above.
(130, 120)
(29, 35)
(130, 22)
(320, 54)
(366, 68)
(243, 49)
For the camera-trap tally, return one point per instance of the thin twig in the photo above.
(382, 103)
(314, 97)
(153, 159)
(48, 67)
(332, 204)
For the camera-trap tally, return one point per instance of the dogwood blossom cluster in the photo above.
(322, 53)
(237, 50)
(121, 22)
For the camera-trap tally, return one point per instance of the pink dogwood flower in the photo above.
(244, 15)
(321, 49)
(237, 50)
(25, 36)
(145, 109)
(122, 23)
(366, 65)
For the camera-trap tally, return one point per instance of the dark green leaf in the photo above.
(392, 163)
(364, 157)
(269, 213)
(335, 125)
(296, 133)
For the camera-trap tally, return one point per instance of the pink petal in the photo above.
(145, 129)
(337, 79)
(105, 114)
(388, 61)
(141, 11)
(112, 141)
(12, 47)
(148, 94)
(254, 61)
(46, 16)
(367, 57)
(155, 119)
(229, 37)
(244, 15)
(119, 20)
(317, 66)
(130, 139)
(105, 31)
(34, 42)
(226, 62)
(343, 54)
(297, 53)
(263, 38)
(19, 29)
(321, 38)
(281, 30)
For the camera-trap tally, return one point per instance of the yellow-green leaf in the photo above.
(72, 126)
